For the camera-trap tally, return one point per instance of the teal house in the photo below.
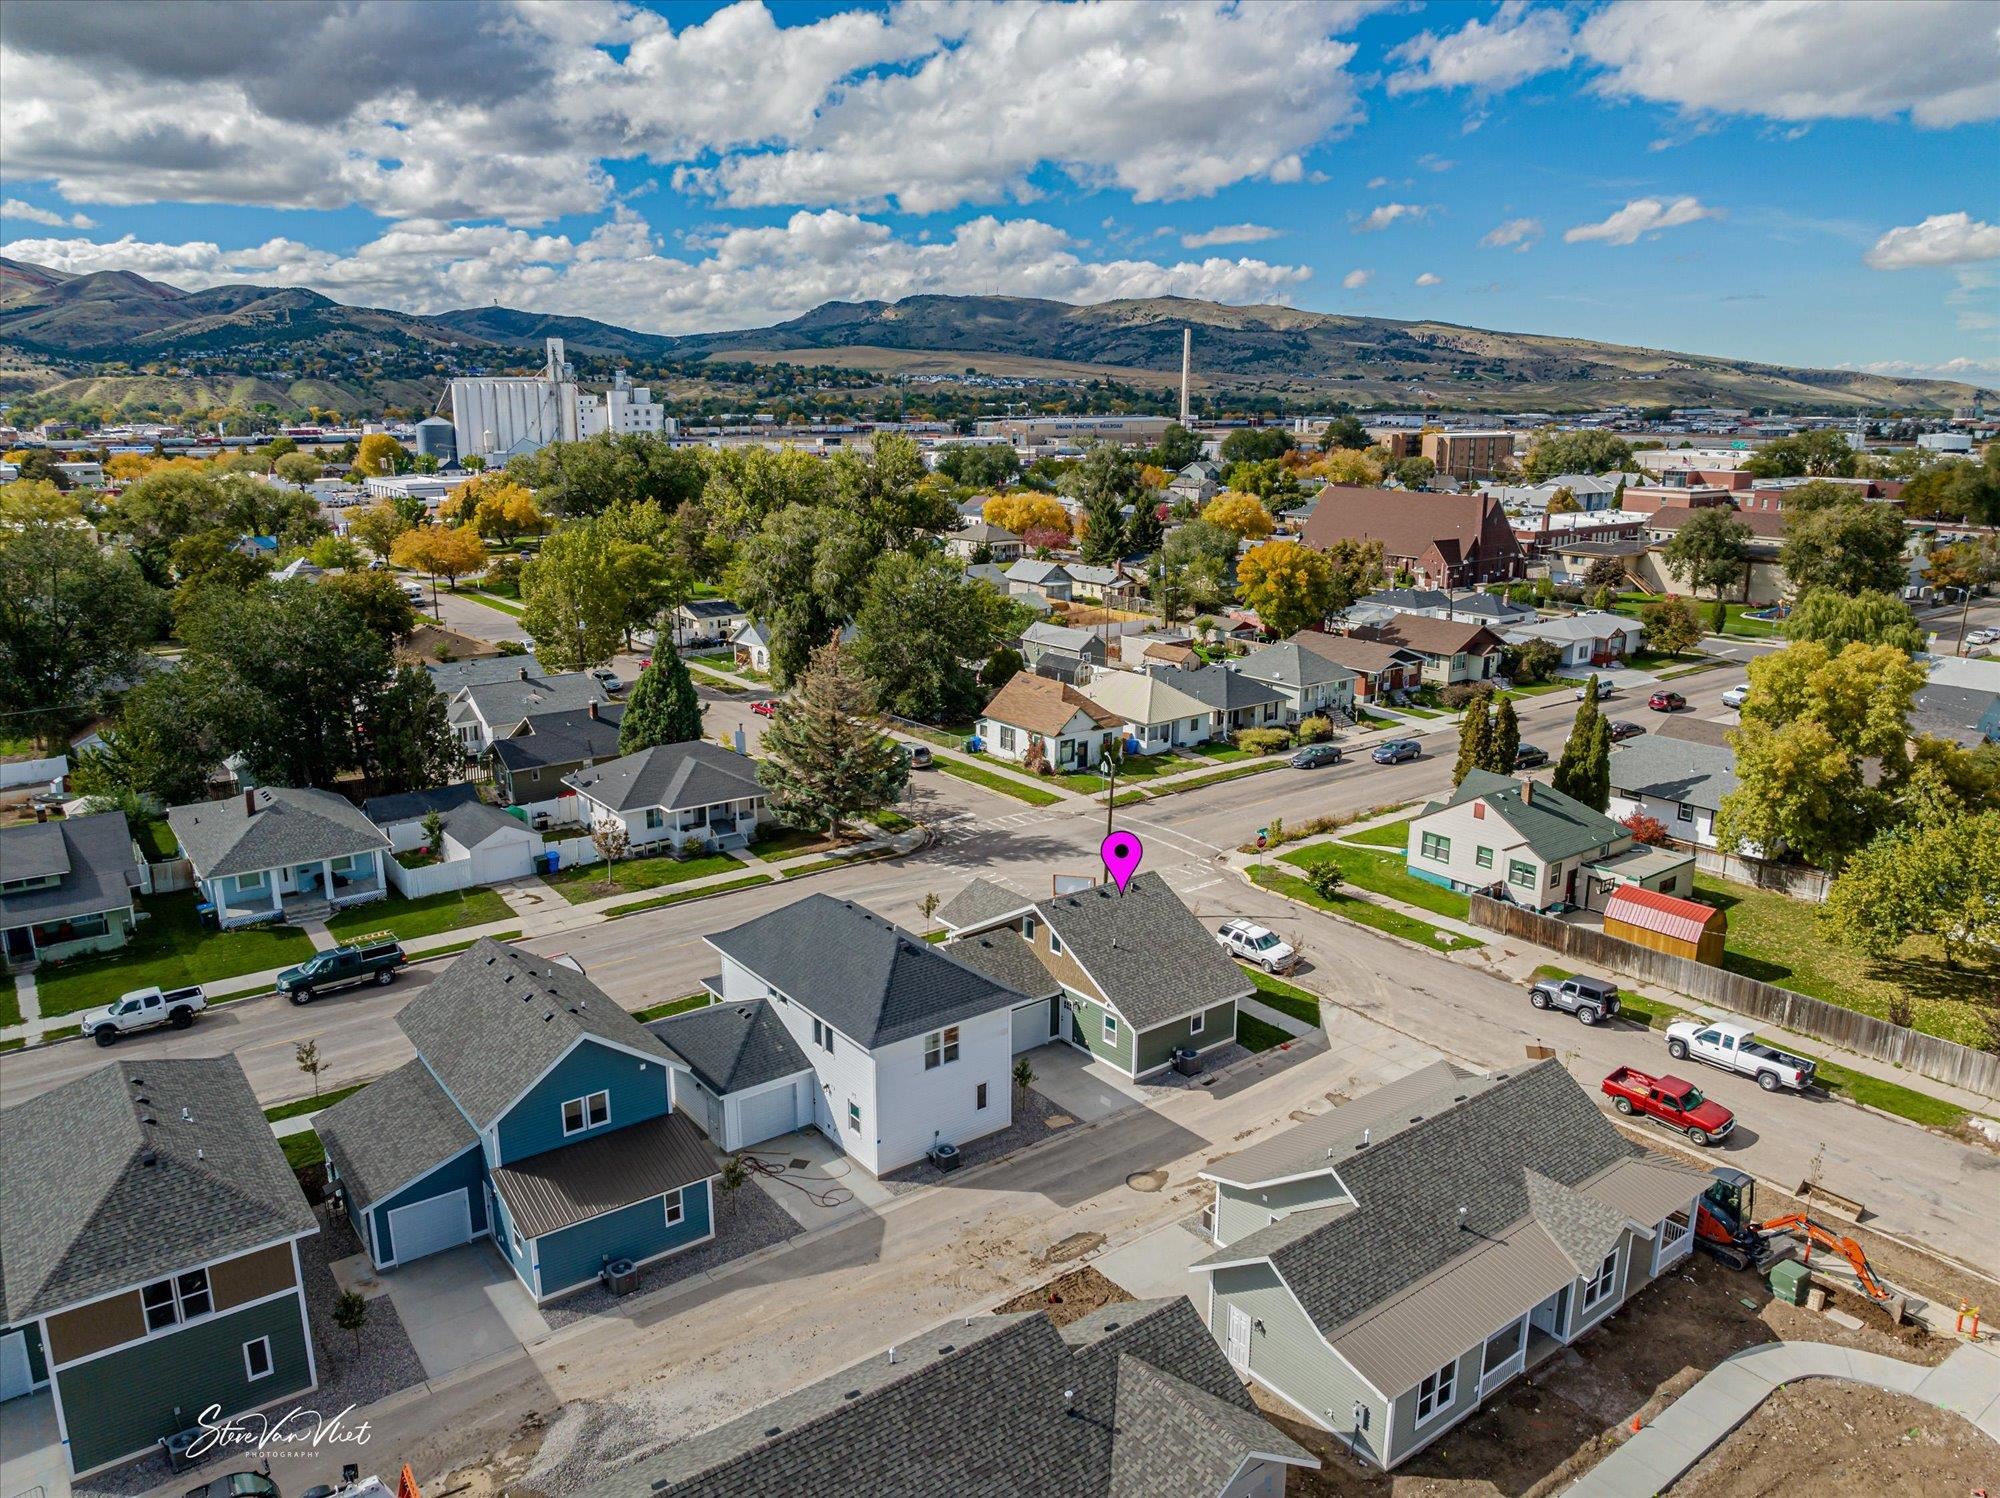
(537, 1113)
(149, 1231)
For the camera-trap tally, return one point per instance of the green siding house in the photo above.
(149, 1239)
(66, 888)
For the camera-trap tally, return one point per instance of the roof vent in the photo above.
(892, 1357)
(489, 959)
(186, 1116)
(1111, 1326)
(1461, 1216)
(1416, 1118)
(505, 977)
(200, 1154)
(549, 1016)
(948, 1347)
(1460, 1098)
(147, 1157)
(852, 1394)
(772, 1430)
(1367, 1136)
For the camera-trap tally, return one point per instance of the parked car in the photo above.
(1737, 695)
(1312, 756)
(1530, 757)
(919, 756)
(1983, 637)
(764, 708)
(373, 959)
(1669, 1100)
(1250, 942)
(141, 1009)
(1604, 689)
(1589, 999)
(1395, 751)
(608, 679)
(1623, 728)
(1737, 1048)
(237, 1485)
(1666, 702)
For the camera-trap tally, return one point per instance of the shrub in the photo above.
(1263, 740)
(1325, 879)
(1314, 730)
(1459, 693)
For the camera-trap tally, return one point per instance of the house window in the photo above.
(823, 1036)
(1028, 929)
(1483, 857)
(1197, 1024)
(979, 1097)
(257, 1359)
(1006, 740)
(854, 1116)
(676, 1208)
(1055, 943)
(1555, 873)
(655, 819)
(182, 1298)
(817, 1031)
(1601, 1282)
(1683, 812)
(1434, 1393)
(1111, 1029)
(581, 1113)
(1520, 873)
(1437, 849)
(515, 1234)
(940, 1047)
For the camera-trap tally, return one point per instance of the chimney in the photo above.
(1527, 791)
(249, 801)
(591, 708)
(523, 672)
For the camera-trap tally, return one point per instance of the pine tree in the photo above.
(1574, 771)
(1475, 732)
(1599, 788)
(1503, 742)
(825, 756)
(663, 707)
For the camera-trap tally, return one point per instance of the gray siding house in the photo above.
(1387, 1267)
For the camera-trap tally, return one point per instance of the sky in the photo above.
(1798, 181)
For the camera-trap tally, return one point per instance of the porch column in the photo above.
(326, 879)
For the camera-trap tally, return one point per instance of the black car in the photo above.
(1395, 751)
(1624, 728)
(1312, 756)
(1530, 757)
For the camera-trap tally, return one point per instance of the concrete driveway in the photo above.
(1085, 1089)
(816, 1184)
(1156, 1266)
(31, 1452)
(461, 1306)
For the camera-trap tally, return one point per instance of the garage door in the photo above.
(765, 1115)
(16, 1378)
(1031, 1025)
(429, 1227)
(507, 860)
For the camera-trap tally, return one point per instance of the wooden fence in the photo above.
(1788, 879)
(1928, 1055)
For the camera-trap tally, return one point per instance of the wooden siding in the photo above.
(252, 1276)
(92, 1328)
(638, 1089)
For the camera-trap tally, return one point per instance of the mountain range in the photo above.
(79, 323)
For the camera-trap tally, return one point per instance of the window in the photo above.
(1055, 943)
(1434, 1393)
(1520, 873)
(1601, 1282)
(581, 1113)
(257, 1359)
(1483, 857)
(940, 1047)
(655, 819)
(1006, 740)
(979, 1097)
(676, 1208)
(515, 1234)
(1111, 1029)
(1197, 1024)
(1683, 812)
(1437, 849)
(854, 1116)
(1029, 927)
(182, 1298)
(1555, 873)
(817, 1031)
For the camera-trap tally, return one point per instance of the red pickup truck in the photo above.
(1676, 1103)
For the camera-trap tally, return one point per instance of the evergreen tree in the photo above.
(1475, 732)
(1574, 774)
(663, 707)
(1600, 766)
(825, 756)
(1503, 740)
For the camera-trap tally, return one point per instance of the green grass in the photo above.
(1542, 688)
(1130, 798)
(10, 1002)
(1382, 874)
(156, 840)
(1254, 1034)
(15, 1044)
(799, 871)
(451, 947)
(944, 735)
(1034, 795)
(1285, 998)
(710, 679)
(1694, 670)
(934, 937)
(1236, 772)
(594, 881)
(426, 916)
(494, 601)
(1654, 1014)
(311, 1104)
(172, 950)
(1380, 918)
(1389, 835)
(675, 1006)
(891, 822)
(1220, 752)
(61, 1032)
(776, 841)
(303, 1150)
(1082, 782)
(659, 902)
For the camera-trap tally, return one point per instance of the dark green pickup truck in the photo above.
(372, 959)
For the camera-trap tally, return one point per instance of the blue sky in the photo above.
(1786, 181)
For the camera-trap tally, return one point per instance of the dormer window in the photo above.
(583, 1113)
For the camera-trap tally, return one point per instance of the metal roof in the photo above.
(1667, 915)
(573, 1183)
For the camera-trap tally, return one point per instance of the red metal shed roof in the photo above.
(1669, 915)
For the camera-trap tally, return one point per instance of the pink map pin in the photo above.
(1122, 852)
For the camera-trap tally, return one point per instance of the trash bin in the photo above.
(204, 911)
(1788, 1282)
(550, 861)
(1186, 1062)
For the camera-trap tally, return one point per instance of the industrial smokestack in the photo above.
(1187, 359)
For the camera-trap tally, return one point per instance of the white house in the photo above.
(477, 843)
(1585, 640)
(1032, 713)
(996, 541)
(1678, 782)
(1308, 681)
(674, 794)
(1049, 581)
(1529, 839)
(706, 621)
(277, 853)
(1155, 715)
(482, 711)
(910, 1048)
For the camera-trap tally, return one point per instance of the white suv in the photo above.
(1250, 942)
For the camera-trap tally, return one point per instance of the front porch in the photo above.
(299, 891)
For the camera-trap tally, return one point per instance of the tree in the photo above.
(378, 526)
(1024, 511)
(982, 466)
(1586, 753)
(1325, 879)
(1957, 490)
(350, 1314)
(1242, 514)
(1145, 527)
(1671, 626)
(495, 507)
(920, 621)
(1963, 568)
(573, 606)
(1503, 744)
(1178, 448)
(1357, 570)
(298, 468)
(886, 497)
(1711, 550)
(1102, 483)
(334, 553)
(26, 500)
(1824, 453)
(1554, 453)
(406, 742)
(1604, 572)
(1191, 570)
(1255, 445)
(1939, 881)
(380, 454)
(609, 837)
(1650, 831)
(826, 758)
(1290, 585)
(1837, 620)
(1001, 667)
(306, 1053)
(1533, 662)
(1344, 433)
(1475, 737)
(662, 708)
(652, 574)
(1851, 547)
(1563, 502)
(1101, 529)
(801, 576)
(1414, 473)
(1345, 466)
(447, 551)
(378, 600)
(1268, 479)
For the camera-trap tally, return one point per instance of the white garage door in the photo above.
(765, 1115)
(15, 1377)
(505, 860)
(430, 1227)
(1031, 1026)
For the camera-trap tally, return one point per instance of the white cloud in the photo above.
(1428, 279)
(28, 213)
(1389, 213)
(1354, 280)
(1521, 233)
(1984, 371)
(1941, 239)
(1229, 234)
(733, 278)
(1641, 216)
(1516, 45)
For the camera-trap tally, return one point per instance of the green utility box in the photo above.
(1789, 1281)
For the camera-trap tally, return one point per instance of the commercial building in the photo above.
(1469, 455)
(497, 417)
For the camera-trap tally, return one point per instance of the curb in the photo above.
(1446, 952)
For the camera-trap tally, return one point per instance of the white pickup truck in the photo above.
(143, 1008)
(1737, 1048)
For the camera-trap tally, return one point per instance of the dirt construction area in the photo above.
(1069, 1298)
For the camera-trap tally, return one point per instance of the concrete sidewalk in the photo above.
(1967, 1384)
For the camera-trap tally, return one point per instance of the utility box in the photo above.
(1789, 1281)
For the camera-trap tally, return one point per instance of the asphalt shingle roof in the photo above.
(505, 702)
(562, 739)
(1008, 960)
(731, 1047)
(498, 1017)
(288, 826)
(93, 854)
(871, 981)
(133, 1172)
(1674, 770)
(712, 608)
(675, 776)
(1323, 1143)
(1220, 688)
(1153, 959)
(1287, 663)
(1043, 706)
(980, 902)
(414, 806)
(1556, 826)
(392, 1131)
(449, 676)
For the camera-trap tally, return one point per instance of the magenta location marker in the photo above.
(1122, 852)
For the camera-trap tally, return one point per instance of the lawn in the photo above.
(1236, 772)
(1254, 1034)
(172, 950)
(1220, 751)
(493, 601)
(777, 841)
(1393, 922)
(593, 881)
(1389, 835)
(719, 683)
(10, 1002)
(311, 1104)
(799, 871)
(303, 1150)
(891, 822)
(661, 901)
(1006, 785)
(452, 947)
(675, 1006)
(1382, 874)
(156, 841)
(1780, 941)
(1284, 998)
(426, 916)
(945, 736)
(1082, 782)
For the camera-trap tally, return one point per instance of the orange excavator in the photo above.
(1724, 1228)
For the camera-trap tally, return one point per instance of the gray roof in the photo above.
(980, 903)
(1556, 826)
(984, 533)
(92, 854)
(712, 608)
(505, 702)
(554, 739)
(675, 776)
(1967, 716)
(1135, 1399)
(1061, 637)
(573, 1183)
(289, 825)
(133, 1172)
(1153, 959)
(1323, 1143)
(1584, 1228)
(393, 1130)
(732, 1047)
(871, 981)
(1690, 729)
(497, 1018)
(414, 806)
(1008, 960)
(1289, 664)
(1035, 573)
(1222, 689)
(449, 676)
(1674, 770)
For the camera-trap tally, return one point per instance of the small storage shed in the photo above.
(1667, 923)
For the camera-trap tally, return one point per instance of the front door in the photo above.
(1239, 1339)
(1055, 1018)
(20, 944)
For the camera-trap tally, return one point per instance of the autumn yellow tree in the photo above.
(446, 551)
(378, 526)
(1290, 586)
(1351, 466)
(1151, 476)
(494, 506)
(1243, 515)
(125, 467)
(379, 454)
(1026, 511)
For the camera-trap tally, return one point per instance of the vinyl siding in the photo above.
(1289, 1357)
(503, 1234)
(1157, 1045)
(465, 1172)
(573, 1256)
(1241, 1210)
(638, 1089)
(1087, 1027)
(915, 1105)
(120, 1404)
(1406, 1440)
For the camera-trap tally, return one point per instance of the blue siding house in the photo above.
(537, 1112)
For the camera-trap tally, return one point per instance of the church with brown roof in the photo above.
(1442, 540)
